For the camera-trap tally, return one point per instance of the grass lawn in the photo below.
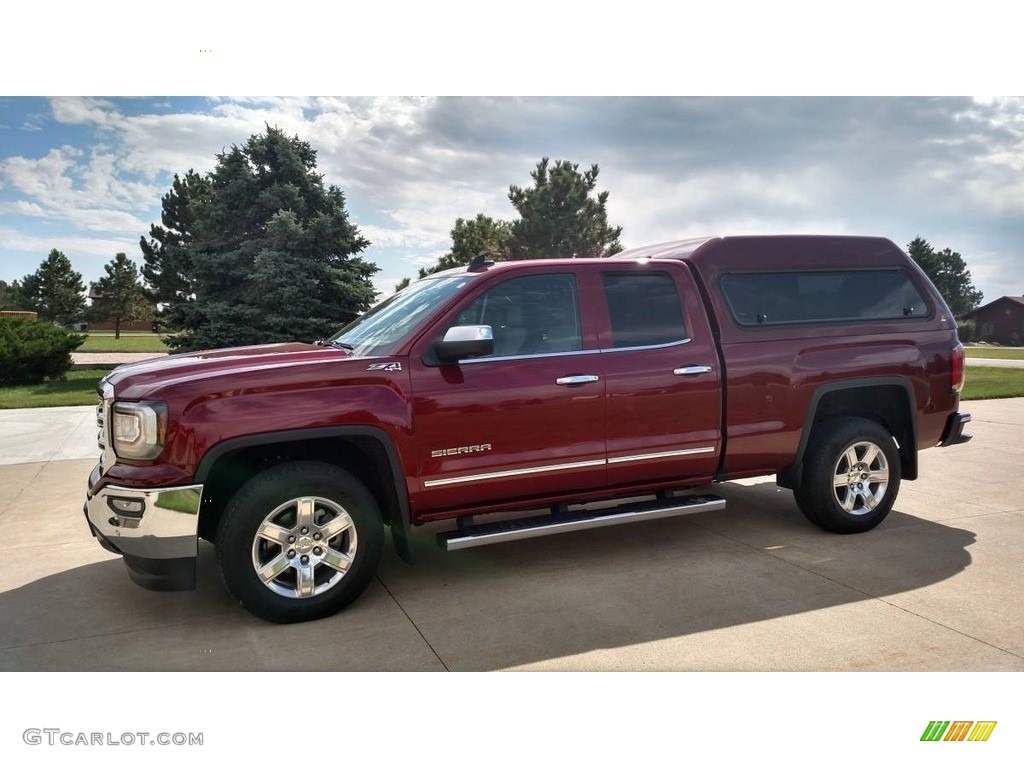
(996, 353)
(78, 389)
(104, 341)
(984, 383)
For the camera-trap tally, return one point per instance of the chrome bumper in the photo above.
(155, 523)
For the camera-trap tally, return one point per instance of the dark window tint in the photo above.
(644, 309)
(771, 298)
(532, 315)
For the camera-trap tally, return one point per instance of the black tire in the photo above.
(342, 525)
(864, 500)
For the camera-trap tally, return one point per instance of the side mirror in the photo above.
(462, 341)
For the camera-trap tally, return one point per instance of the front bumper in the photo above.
(954, 431)
(156, 529)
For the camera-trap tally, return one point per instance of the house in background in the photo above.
(1000, 321)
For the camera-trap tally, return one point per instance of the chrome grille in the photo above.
(101, 435)
(106, 402)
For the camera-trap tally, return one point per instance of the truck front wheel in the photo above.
(851, 475)
(299, 541)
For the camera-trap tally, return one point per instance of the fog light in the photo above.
(127, 506)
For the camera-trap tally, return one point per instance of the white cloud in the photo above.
(81, 110)
(22, 208)
(674, 167)
(91, 195)
(75, 246)
(45, 178)
(659, 209)
(397, 237)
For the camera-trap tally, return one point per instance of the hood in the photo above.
(135, 381)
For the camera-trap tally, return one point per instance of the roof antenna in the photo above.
(479, 263)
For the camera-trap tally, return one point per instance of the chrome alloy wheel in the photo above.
(304, 547)
(860, 477)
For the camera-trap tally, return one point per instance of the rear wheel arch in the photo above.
(887, 400)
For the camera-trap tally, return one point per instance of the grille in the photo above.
(101, 437)
(103, 425)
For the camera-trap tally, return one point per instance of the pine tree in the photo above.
(948, 271)
(167, 261)
(55, 290)
(119, 295)
(13, 297)
(272, 256)
(559, 217)
(482, 236)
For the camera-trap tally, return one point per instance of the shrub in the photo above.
(31, 351)
(965, 330)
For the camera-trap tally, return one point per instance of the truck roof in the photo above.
(711, 255)
(714, 254)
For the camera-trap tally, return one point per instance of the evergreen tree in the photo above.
(948, 271)
(474, 237)
(167, 266)
(119, 295)
(272, 256)
(559, 217)
(55, 290)
(471, 237)
(13, 297)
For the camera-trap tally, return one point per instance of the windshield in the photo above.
(379, 331)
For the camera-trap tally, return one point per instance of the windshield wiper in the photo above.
(342, 345)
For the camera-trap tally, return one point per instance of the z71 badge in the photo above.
(385, 367)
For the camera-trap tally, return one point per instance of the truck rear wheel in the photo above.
(299, 542)
(851, 475)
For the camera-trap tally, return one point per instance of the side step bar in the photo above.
(467, 536)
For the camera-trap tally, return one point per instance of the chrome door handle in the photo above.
(692, 370)
(566, 381)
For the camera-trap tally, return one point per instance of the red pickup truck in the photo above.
(531, 385)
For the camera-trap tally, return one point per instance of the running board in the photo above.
(467, 536)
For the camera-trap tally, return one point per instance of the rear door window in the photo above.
(644, 309)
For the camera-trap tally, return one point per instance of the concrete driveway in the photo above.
(754, 587)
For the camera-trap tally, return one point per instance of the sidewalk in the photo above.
(994, 363)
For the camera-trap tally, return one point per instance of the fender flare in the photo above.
(400, 527)
(789, 477)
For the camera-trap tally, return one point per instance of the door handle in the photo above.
(692, 370)
(568, 381)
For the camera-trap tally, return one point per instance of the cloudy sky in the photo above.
(85, 175)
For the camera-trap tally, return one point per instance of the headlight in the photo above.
(139, 430)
